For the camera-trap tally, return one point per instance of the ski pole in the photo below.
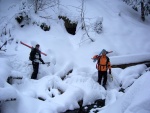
(48, 63)
(111, 77)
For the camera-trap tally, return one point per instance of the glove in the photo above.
(41, 60)
(110, 71)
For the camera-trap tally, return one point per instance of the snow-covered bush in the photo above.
(98, 26)
(23, 17)
(45, 27)
(40, 5)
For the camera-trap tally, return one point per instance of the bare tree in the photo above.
(36, 7)
(142, 10)
(58, 4)
(82, 14)
(40, 5)
(83, 25)
(140, 5)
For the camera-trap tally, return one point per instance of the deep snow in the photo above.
(123, 33)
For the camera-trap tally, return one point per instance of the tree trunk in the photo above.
(36, 6)
(142, 10)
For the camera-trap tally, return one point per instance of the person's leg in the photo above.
(105, 78)
(35, 70)
(99, 77)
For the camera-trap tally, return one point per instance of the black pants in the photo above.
(35, 70)
(102, 74)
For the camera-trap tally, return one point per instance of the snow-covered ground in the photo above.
(123, 33)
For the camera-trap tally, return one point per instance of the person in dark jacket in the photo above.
(36, 59)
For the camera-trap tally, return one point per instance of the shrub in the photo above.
(45, 27)
(98, 27)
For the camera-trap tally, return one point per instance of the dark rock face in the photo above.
(69, 25)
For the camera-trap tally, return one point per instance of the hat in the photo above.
(104, 51)
(37, 45)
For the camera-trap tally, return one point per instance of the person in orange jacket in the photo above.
(103, 64)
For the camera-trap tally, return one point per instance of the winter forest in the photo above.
(67, 40)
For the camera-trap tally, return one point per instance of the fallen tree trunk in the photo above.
(11, 99)
(10, 79)
(123, 66)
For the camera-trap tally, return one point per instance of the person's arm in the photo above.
(41, 59)
(109, 67)
(98, 61)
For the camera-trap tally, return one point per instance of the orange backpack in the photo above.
(102, 63)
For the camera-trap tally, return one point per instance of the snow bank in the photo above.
(136, 100)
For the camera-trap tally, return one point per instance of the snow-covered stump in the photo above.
(15, 77)
(11, 79)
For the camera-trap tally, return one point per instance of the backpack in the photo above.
(31, 55)
(98, 62)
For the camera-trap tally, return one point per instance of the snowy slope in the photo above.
(123, 33)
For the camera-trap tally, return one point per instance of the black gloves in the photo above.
(41, 60)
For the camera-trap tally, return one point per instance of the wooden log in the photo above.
(123, 66)
(10, 79)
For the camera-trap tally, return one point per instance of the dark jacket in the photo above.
(36, 55)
